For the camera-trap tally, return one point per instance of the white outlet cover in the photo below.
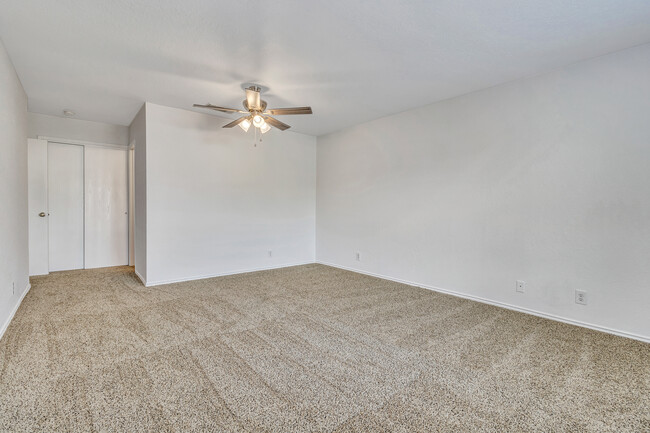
(581, 297)
(521, 286)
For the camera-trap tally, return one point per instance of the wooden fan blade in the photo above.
(253, 98)
(275, 122)
(235, 122)
(222, 109)
(291, 110)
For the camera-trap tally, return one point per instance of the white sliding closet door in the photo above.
(106, 205)
(65, 192)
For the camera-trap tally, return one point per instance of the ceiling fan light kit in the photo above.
(258, 121)
(245, 124)
(256, 113)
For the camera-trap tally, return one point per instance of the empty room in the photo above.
(325, 216)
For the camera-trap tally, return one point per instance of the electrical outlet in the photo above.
(358, 256)
(270, 253)
(521, 286)
(13, 288)
(581, 297)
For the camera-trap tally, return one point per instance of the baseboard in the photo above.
(498, 304)
(223, 274)
(13, 313)
(141, 278)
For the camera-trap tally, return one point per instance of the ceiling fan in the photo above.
(256, 113)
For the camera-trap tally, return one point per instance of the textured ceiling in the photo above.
(351, 60)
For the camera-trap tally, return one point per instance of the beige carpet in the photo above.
(308, 348)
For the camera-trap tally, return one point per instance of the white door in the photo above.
(65, 173)
(37, 206)
(106, 205)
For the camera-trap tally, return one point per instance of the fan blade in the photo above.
(223, 109)
(292, 110)
(253, 98)
(236, 122)
(275, 122)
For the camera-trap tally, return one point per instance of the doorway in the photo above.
(79, 206)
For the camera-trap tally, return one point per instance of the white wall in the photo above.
(216, 204)
(14, 257)
(546, 180)
(75, 129)
(138, 138)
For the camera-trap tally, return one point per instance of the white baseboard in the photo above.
(141, 278)
(13, 312)
(222, 274)
(498, 304)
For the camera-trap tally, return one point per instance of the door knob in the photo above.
(42, 214)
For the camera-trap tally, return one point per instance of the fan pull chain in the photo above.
(258, 140)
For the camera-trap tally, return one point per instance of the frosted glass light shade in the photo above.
(245, 125)
(258, 121)
(265, 128)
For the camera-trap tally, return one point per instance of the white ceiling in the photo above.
(351, 60)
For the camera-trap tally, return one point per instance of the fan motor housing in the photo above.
(262, 104)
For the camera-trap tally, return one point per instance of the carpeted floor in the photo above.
(308, 348)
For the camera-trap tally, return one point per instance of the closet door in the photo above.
(65, 193)
(37, 206)
(106, 205)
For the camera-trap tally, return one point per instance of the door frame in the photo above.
(81, 142)
(131, 186)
